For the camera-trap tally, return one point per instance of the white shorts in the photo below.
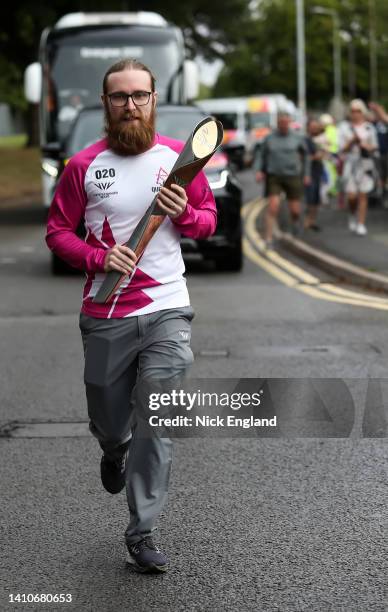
(358, 177)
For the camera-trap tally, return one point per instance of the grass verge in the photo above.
(20, 174)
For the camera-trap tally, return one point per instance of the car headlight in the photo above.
(51, 168)
(218, 181)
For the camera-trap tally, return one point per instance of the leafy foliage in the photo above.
(256, 39)
(208, 29)
(265, 60)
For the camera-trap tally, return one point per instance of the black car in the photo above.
(225, 246)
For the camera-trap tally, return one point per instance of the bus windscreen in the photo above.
(77, 65)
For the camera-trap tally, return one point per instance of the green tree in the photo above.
(208, 29)
(265, 61)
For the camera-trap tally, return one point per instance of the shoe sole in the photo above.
(112, 491)
(150, 569)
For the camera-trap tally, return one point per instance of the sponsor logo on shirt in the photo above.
(161, 176)
(103, 193)
(103, 186)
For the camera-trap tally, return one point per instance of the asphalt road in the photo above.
(251, 524)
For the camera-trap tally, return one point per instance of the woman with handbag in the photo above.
(358, 146)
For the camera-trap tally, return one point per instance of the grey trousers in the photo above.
(122, 357)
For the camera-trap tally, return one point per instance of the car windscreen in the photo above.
(259, 120)
(228, 120)
(177, 124)
(79, 61)
(87, 129)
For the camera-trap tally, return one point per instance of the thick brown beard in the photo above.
(127, 138)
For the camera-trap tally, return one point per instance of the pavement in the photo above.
(359, 260)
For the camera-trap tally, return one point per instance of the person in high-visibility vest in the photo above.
(331, 137)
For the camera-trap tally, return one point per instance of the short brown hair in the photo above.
(127, 64)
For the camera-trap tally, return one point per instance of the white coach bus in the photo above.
(73, 58)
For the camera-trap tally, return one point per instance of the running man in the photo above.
(143, 335)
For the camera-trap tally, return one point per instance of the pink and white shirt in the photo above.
(111, 193)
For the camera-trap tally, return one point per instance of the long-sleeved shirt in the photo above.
(111, 193)
(283, 155)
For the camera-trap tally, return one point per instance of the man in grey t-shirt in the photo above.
(284, 163)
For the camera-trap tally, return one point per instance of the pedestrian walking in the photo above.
(283, 162)
(313, 190)
(329, 139)
(358, 145)
(381, 126)
(144, 334)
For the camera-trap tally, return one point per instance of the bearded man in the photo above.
(144, 333)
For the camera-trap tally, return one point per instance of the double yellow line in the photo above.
(292, 275)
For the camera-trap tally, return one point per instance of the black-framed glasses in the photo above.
(139, 98)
